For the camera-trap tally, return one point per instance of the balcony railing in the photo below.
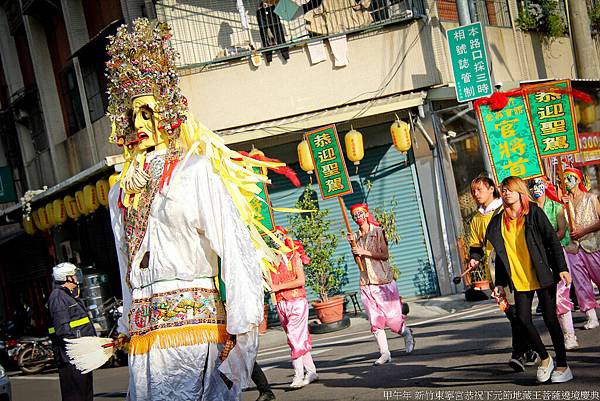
(208, 31)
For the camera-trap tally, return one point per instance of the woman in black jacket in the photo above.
(529, 259)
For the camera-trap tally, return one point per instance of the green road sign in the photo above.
(7, 186)
(469, 62)
(553, 118)
(262, 204)
(509, 140)
(330, 166)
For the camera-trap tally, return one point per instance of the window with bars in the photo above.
(489, 12)
(215, 30)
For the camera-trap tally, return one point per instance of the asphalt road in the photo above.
(458, 356)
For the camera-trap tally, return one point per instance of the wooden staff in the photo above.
(357, 258)
(563, 188)
(267, 276)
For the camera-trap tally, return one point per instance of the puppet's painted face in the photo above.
(359, 216)
(571, 181)
(145, 132)
(537, 188)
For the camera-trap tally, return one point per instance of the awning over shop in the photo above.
(102, 166)
(323, 117)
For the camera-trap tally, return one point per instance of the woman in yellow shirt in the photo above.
(530, 260)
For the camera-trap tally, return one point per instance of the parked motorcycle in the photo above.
(8, 345)
(34, 354)
(114, 310)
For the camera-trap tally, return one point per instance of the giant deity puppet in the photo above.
(183, 228)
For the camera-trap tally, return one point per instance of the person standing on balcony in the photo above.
(530, 260)
(584, 249)
(485, 193)
(378, 289)
(292, 307)
(544, 195)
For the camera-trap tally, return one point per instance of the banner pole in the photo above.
(357, 258)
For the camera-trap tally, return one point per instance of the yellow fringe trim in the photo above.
(172, 337)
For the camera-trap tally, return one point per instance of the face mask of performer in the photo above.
(537, 188)
(359, 217)
(571, 181)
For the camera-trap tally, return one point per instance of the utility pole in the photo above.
(585, 51)
(464, 15)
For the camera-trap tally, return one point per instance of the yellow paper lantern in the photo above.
(400, 132)
(112, 180)
(44, 221)
(50, 214)
(58, 211)
(102, 188)
(36, 220)
(28, 226)
(71, 207)
(354, 146)
(257, 152)
(80, 202)
(577, 113)
(588, 113)
(304, 157)
(90, 197)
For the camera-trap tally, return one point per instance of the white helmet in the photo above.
(61, 271)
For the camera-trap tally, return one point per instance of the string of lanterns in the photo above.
(84, 202)
(355, 151)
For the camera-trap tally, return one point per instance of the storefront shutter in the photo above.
(392, 176)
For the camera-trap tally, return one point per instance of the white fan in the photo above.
(89, 353)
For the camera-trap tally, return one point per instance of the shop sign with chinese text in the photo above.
(552, 119)
(330, 167)
(262, 205)
(469, 62)
(589, 142)
(509, 140)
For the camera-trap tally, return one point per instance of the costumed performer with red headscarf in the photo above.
(288, 285)
(378, 289)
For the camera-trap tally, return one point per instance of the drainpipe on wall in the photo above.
(86, 111)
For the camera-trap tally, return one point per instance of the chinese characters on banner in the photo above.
(552, 119)
(509, 140)
(469, 62)
(328, 159)
(262, 204)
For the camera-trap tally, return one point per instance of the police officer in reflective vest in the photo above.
(69, 319)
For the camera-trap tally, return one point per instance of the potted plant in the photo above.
(324, 274)
(542, 16)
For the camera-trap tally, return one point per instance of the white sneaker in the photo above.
(562, 377)
(409, 340)
(571, 341)
(310, 377)
(298, 382)
(591, 323)
(543, 374)
(384, 358)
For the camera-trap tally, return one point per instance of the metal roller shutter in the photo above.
(392, 176)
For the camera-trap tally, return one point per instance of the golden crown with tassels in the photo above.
(142, 62)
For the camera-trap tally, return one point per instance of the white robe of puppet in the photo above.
(191, 223)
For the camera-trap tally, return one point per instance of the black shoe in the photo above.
(266, 396)
(531, 358)
(516, 362)
(538, 310)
